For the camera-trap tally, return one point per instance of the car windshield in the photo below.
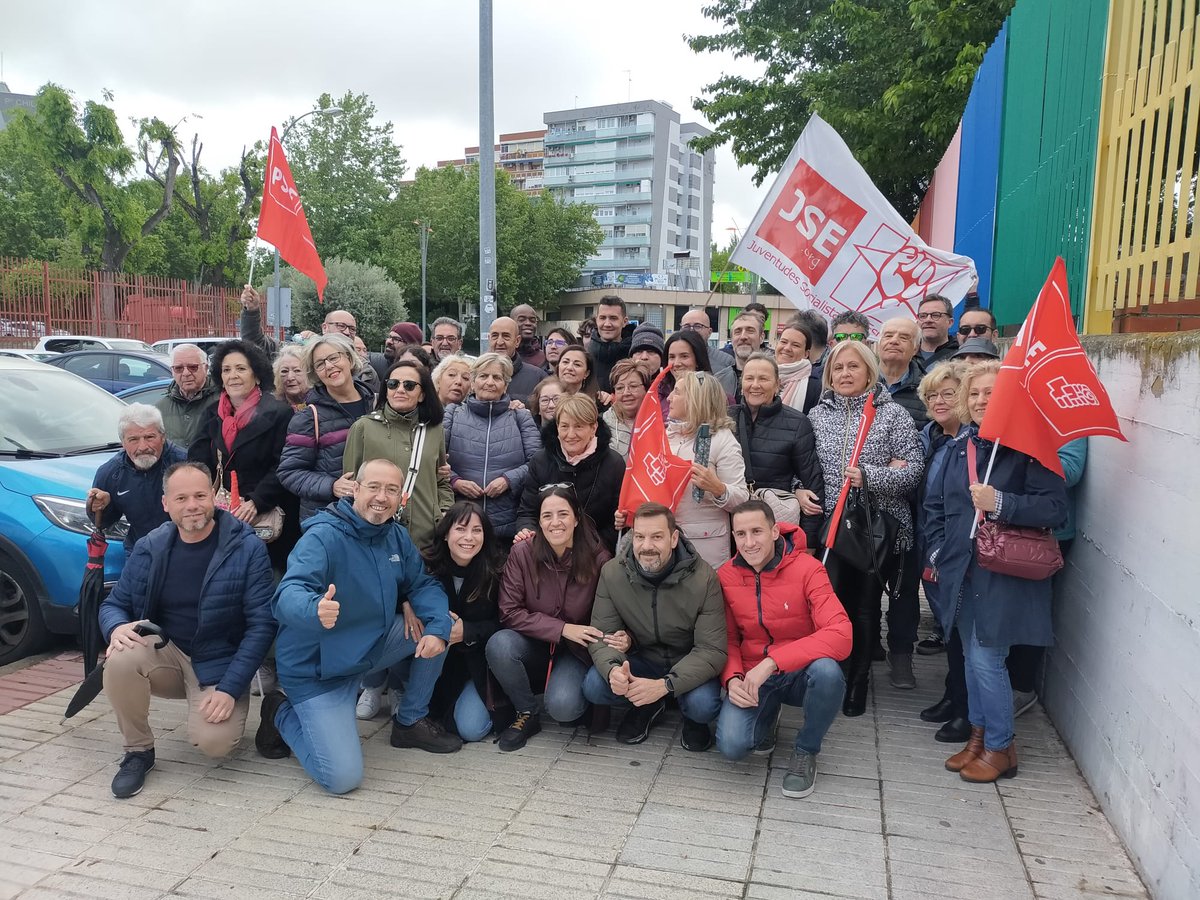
(52, 411)
(122, 344)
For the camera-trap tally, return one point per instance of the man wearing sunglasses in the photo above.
(189, 397)
(935, 314)
(977, 323)
(850, 325)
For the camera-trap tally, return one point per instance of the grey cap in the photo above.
(647, 336)
(977, 346)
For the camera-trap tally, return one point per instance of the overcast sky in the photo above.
(237, 68)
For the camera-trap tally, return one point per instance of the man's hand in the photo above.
(619, 678)
(496, 486)
(619, 519)
(216, 707)
(582, 634)
(755, 677)
(738, 695)
(414, 628)
(251, 301)
(456, 630)
(644, 691)
(619, 641)
(328, 608)
(810, 504)
(123, 637)
(429, 646)
(97, 500)
(983, 496)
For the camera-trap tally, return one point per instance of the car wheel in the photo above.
(22, 630)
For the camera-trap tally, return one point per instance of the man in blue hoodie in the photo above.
(338, 620)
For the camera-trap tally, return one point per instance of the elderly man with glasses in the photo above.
(189, 397)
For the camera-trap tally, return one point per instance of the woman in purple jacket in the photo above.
(546, 595)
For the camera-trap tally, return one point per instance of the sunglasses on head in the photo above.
(561, 485)
(978, 330)
(396, 383)
(851, 336)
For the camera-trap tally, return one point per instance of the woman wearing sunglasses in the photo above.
(546, 595)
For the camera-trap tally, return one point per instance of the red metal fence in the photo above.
(39, 298)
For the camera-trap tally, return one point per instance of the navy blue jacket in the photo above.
(1003, 609)
(234, 627)
(369, 567)
(136, 495)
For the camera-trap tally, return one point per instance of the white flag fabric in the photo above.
(828, 240)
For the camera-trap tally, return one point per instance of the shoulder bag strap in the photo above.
(414, 464)
(316, 427)
(744, 440)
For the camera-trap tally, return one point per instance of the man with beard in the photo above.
(935, 315)
(131, 483)
(204, 578)
(747, 335)
(663, 617)
(446, 336)
(527, 328)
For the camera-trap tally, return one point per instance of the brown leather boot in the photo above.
(990, 765)
(966, 754)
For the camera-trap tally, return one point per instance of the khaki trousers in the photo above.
(132, 676)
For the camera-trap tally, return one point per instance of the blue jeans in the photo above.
(701, 704)
(322, 730)
(472, 720)
(818, 688)
(519, 663)
(989, 692)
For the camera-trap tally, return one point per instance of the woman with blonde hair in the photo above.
(452, 378)
(718, 471)
(291, 382)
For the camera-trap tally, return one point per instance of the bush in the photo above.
(375, 300)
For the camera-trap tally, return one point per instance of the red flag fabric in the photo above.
(282, 221)
(653, 474)
(1047, 392)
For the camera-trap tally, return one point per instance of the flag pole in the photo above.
(253, 260)
(986, 476)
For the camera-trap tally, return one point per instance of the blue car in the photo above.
(55, 431)
(115, 370)
(149, 393)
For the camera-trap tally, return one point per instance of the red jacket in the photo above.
(788, 611)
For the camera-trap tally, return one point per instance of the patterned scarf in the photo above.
(234, 421)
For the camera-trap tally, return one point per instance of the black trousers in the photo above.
(860, 593)
(1025, 662)
(904, 608)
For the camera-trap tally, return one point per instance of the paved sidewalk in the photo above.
(565, 817)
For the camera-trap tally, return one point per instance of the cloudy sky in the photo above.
(236, 68)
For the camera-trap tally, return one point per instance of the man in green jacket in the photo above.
(663, 617)
(188, 399)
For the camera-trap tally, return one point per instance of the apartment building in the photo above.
(519, 154)
(9, 102)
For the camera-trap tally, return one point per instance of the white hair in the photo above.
(175, 352)
(139, 415)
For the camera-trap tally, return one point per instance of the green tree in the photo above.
(347, 169)
(891, 76)
(32, 198)
(365, 290)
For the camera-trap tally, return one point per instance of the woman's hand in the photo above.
(456, 630)
(855, 474)
(705, 478)
(496, 486)
(444, 470)
(604, 398)
(344, 486)
(414, 628)
(619, 641)
(468, 489)
(523, 535)
(984, 497)
(582, 634)
(810, 504)
(246, 511)
(514, 405)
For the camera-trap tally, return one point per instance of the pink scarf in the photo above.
(794, 379)
(234, 421)
(587, 451)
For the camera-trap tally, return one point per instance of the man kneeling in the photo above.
(205, 579)
(787, 632)
(337, 611)
(662, 599)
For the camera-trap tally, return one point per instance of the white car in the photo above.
(207, 344)
(35, 355)
(67, 343)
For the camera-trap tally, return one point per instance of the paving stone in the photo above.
(650, 884)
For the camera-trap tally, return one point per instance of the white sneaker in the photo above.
(369, 703)
(264, 681)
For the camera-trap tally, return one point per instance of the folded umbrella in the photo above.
(91, 593)
(94, 682)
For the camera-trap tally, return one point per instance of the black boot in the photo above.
(859, 670)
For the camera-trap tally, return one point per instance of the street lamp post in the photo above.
(332, 112)
(425, 232)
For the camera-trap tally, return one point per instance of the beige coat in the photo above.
(706, 524)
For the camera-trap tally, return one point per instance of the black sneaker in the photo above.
(696, 737)
(267, 740)
(516, 735)
(636, 725)
(132, 775)
(932, 645)
(425, 734)
(766, 746)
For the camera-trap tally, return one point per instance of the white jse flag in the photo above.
(828, 240)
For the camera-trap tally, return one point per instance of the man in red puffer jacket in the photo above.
(786, 631)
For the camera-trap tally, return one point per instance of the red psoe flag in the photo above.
(1047, 392)
(653, 474)
(282, 221)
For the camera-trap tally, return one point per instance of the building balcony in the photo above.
(605, 154)
(572, 135)
(605, 199)
(635, 219)
(559, 179)
(638, 240)
(641, 261)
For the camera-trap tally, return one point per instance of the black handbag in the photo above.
(866, 535)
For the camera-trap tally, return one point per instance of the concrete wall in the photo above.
(1123, 683)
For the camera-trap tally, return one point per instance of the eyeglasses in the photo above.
(931, 316)
(548, 401)
(395, 384)
(947, 396)
(849, 336)
(554, 342)
(376, 487)
(189, 367)
(558, 485)
(345, 328)
(319, 365)
(695, 326)
(977, 330)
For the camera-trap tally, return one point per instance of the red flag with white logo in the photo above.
(282, 221)
(1047, 392)
(653, 474)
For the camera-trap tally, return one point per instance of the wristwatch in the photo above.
(670, 683)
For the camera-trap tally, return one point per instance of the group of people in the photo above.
(448, 531)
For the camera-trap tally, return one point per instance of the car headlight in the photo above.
(72, 515)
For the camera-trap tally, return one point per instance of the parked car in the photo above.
(149, 393)
(56, 430)
(22, 328)
(69, 343)
(36, 355)
(207, 344)
(115, 370)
